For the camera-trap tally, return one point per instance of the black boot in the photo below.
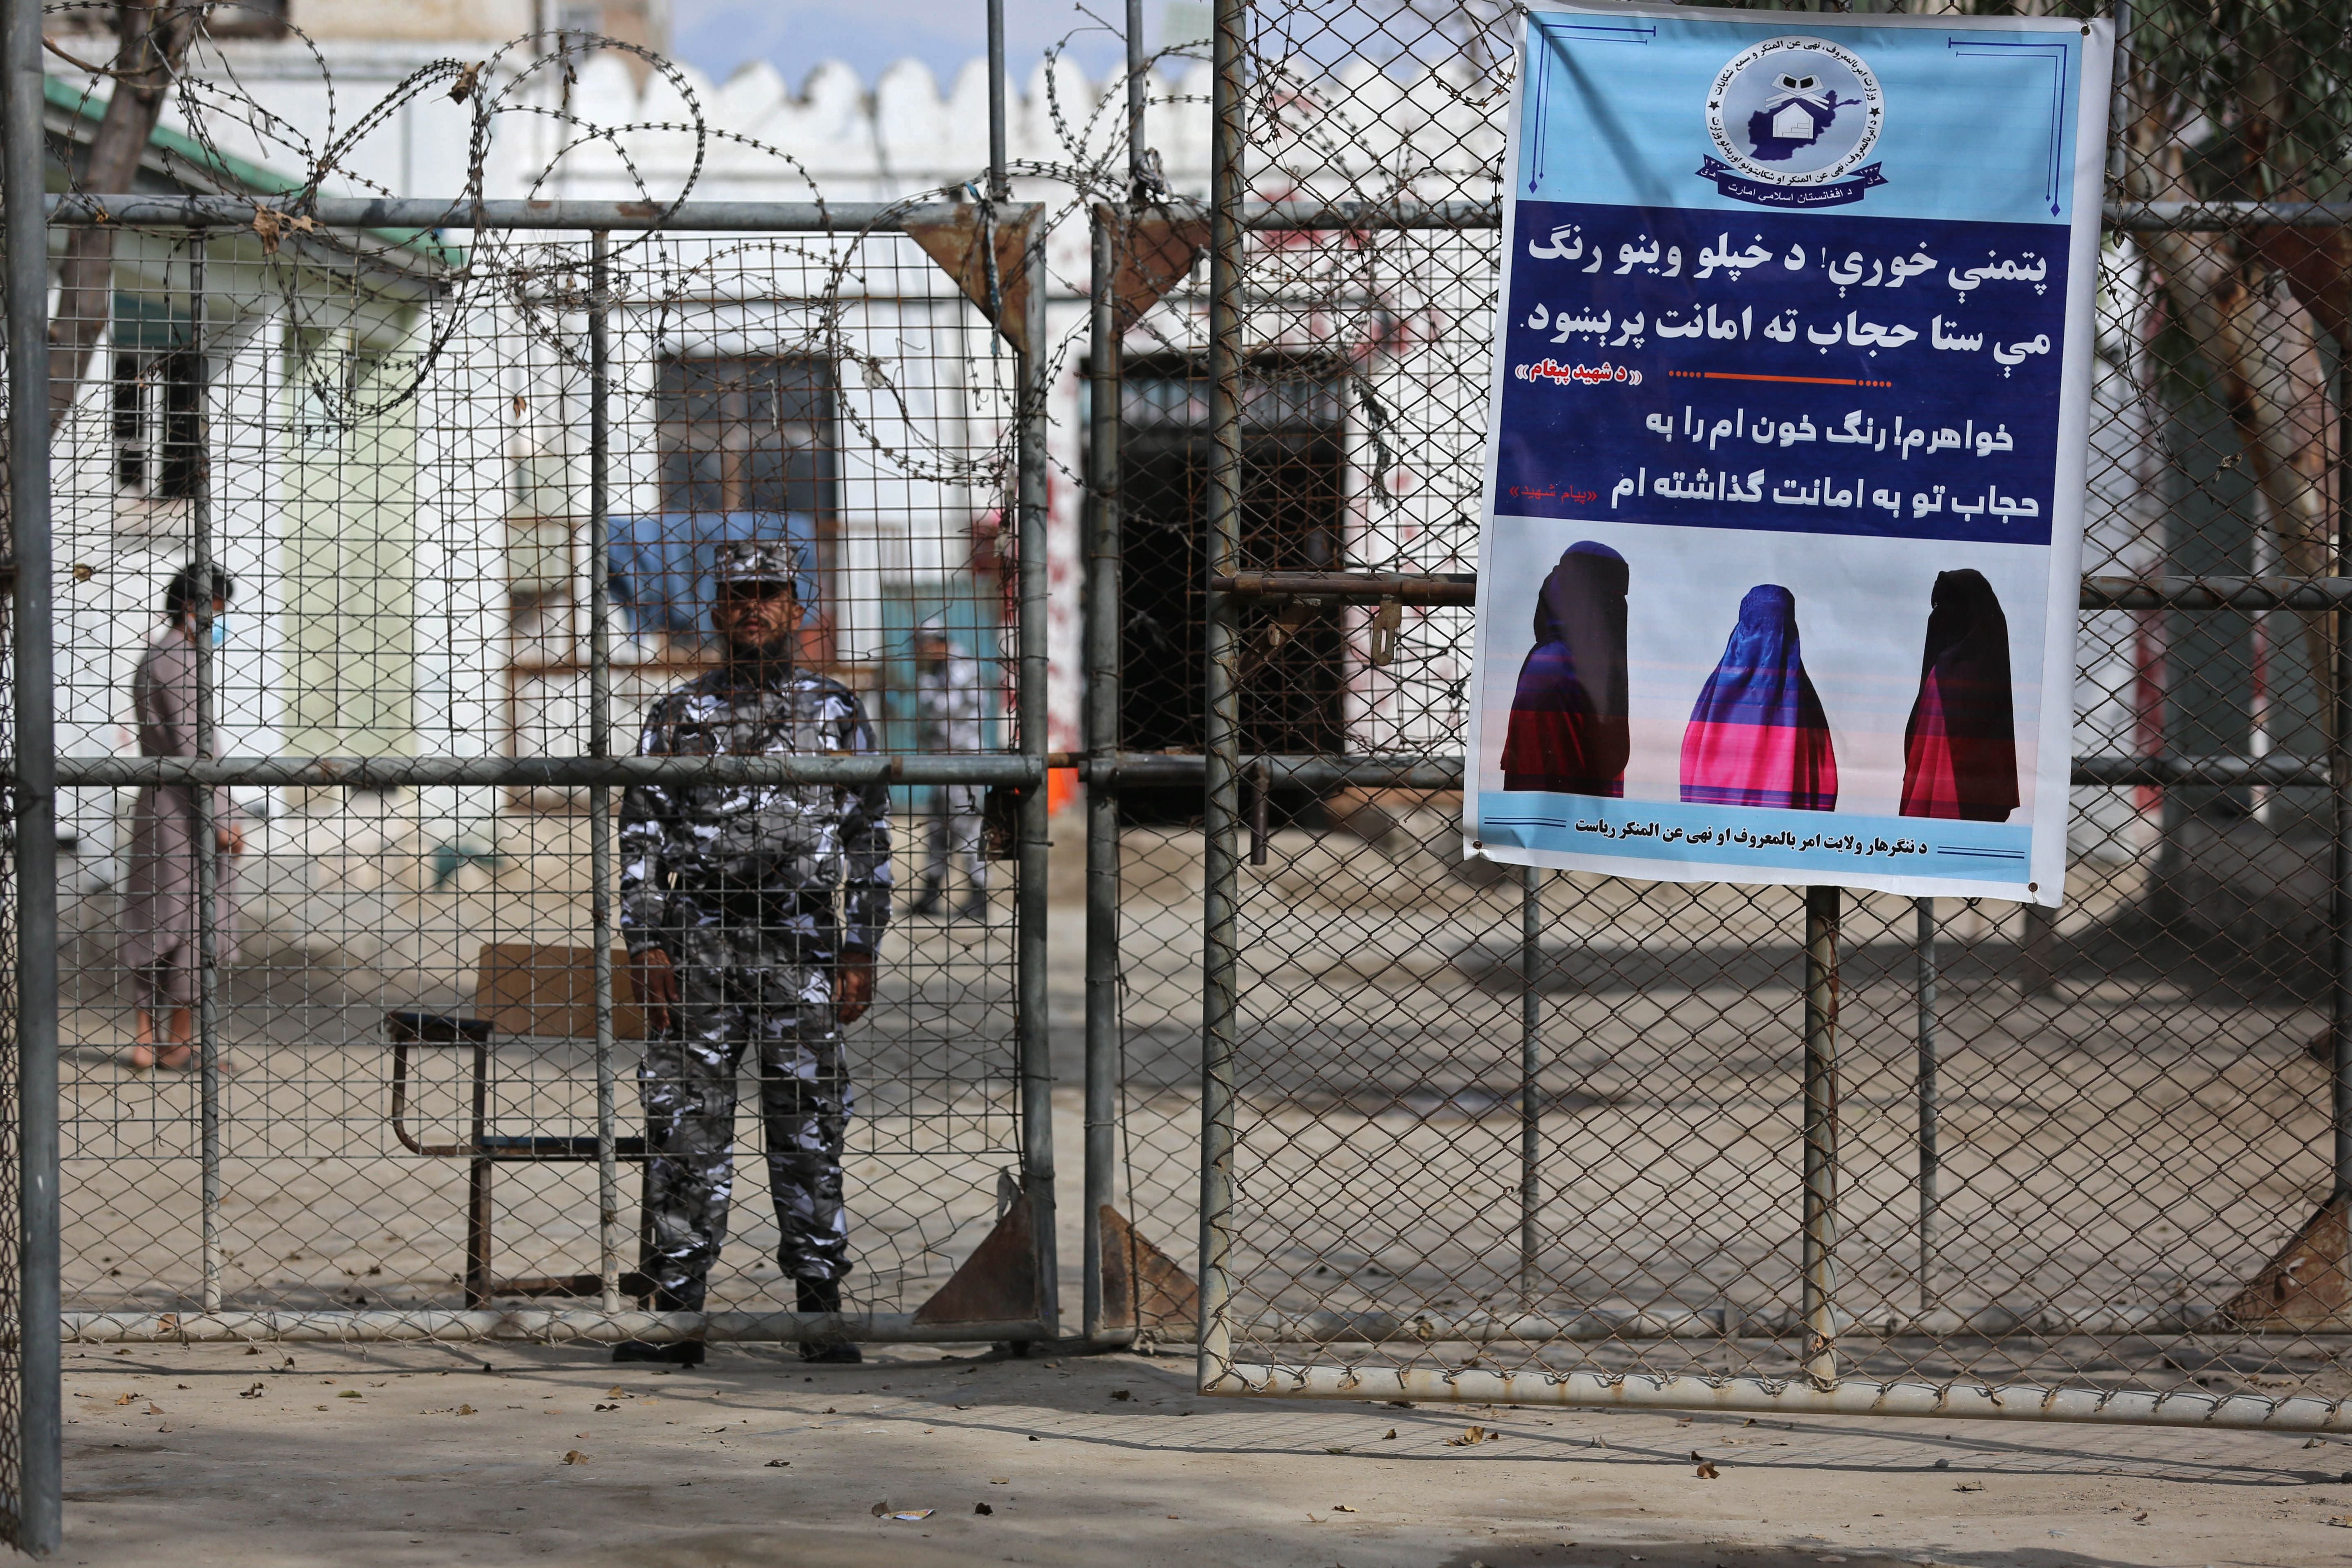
(926, 902)
(819, 1298)
(675, 1352)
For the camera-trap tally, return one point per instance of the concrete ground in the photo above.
(488, 1455)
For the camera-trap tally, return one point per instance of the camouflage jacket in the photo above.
(807, 865)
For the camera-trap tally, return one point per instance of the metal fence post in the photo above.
(1531, 1069)
(1930, 1162)
(40, 1484)
(1822, 915)
(208, 826)
(2339, 785)
(1035, 1045)
(600, 744)
(1221, 804)
(1102, 642)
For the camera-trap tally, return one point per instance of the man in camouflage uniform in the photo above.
(751, 913)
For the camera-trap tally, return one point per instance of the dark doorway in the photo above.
(1291, 519)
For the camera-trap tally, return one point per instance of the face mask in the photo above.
(220, 631)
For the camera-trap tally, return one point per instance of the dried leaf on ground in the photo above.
(982, 1508)
(253, 1392)
(1970, 1486)
(878, 1510)
(574, 1457)
(779, 1464)
(1472, 1436)
(1389, 1436)
(913, 1514)
(1706, 1470)
(1342, 1508)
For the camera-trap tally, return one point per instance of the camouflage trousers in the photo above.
(730, 1002)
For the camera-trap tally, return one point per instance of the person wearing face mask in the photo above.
(159, 928)
(751, 913)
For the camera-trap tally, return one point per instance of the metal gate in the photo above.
(464, 464)
(1477, 1135)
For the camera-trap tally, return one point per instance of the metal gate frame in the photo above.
(600, 772)
(1820, 1390)
(37, 773)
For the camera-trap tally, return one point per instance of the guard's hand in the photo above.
(656, 987)
(230, 840)
(855, 992)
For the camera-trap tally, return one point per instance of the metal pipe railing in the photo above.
(2100, 592)
(1007, 770)
(600, 744)
(201, 802)
(40, 1483)
(1930, 1161)
(1530, 1074)
(1034, 372)
(1220, 805)
(1820, 1134)
(398, 213)
(537, 1324)
(1133, 769)
(429, 214)
(1952, 1398)
(1102, 633)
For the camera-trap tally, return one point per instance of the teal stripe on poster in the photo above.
(1807, 841)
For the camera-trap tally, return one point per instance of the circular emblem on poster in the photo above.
(1795, 111)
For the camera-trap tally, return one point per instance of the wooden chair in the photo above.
(522, 990)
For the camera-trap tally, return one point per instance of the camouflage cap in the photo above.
(759, 561)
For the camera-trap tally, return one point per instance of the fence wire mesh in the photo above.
(1480, 1120)
(399, 450)
(1484, 1122)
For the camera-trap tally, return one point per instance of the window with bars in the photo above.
(749, 432)
(159, 434)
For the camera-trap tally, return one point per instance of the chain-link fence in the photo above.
(1474, 1133)
(349, 1030)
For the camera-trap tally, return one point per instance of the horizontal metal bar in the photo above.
(540, 1324)
(1146, 769)
(2216, 593)
(1351, 586)
(1143, 769)
(2154, 773)
(2099, 593)
(1312, 215)
(2146, 215)
(411, 212)
(1755, 1395)
(1715, 1324)
(548, 772)
(2135, 216)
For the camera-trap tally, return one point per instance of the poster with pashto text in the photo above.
(1782, 532)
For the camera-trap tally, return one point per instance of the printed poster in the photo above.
(1782, 539)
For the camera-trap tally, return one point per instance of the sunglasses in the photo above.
(748, 591)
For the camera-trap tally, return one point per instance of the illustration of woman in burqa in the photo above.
(1758, 735)
(1960, 750)
(1568, 731)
